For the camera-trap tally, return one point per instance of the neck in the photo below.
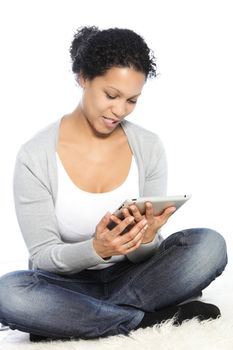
(79, 128)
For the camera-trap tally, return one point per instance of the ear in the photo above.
(81, 80)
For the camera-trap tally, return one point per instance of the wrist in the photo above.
(96, 247)
(98, 250)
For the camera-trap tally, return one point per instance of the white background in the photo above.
(189, 104)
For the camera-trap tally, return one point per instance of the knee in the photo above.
(11, 287)
(211, 247)
(217, 248)
(6, 286)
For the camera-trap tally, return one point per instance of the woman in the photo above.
(88, 279)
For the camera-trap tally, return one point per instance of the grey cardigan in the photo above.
(35, 192)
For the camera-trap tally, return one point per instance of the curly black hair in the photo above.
(94, 51)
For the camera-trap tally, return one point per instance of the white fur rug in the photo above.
(214, 335)
(192, 335)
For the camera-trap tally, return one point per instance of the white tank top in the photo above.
(78, 212)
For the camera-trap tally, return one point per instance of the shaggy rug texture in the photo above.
(214, 335)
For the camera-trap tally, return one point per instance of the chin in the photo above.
(103, 130)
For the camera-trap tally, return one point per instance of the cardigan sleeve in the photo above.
(35, 212)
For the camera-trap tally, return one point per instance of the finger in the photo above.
(122, 225)
(102, 225)
(168, 212)
(129, 236)
(139, 236)
(149, 211)
(136, 246)
(135, 212)
(115, 219)
(126, 212)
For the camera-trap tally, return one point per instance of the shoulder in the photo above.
(142, 137)
(42, 142)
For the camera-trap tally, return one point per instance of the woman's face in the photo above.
(110, 98)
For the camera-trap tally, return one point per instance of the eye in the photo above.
(110, 96)
(132, 101)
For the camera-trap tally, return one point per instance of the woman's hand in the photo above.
(154, 222)
(111, 242)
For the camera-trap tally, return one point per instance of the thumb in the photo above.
(169, 211)
(103, 222)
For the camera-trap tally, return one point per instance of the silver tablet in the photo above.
(159, 203)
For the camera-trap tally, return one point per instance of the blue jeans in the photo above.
(97, 303)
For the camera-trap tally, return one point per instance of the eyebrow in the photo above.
(121, 92)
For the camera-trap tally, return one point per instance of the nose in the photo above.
(119, 109)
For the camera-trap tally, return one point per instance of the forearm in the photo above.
(67, 258)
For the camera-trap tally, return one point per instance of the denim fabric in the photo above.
(97, 303)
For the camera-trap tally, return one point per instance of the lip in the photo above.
(110, 123)
(110, 118)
